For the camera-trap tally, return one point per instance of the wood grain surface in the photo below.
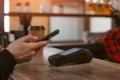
(95, 70)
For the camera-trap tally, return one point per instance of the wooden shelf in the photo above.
(57, 15)
(25, 18)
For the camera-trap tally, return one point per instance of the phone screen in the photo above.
(70, 51)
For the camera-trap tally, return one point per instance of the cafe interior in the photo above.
(82, 24)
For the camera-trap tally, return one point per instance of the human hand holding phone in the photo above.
(49, 36)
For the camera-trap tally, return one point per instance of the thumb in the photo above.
(29, 38)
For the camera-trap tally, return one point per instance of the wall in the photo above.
(71, 28)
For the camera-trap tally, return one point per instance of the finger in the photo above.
(38, 45)
(29, 38)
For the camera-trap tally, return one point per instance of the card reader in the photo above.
(71, 56)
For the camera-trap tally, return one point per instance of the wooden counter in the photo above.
(95, 70)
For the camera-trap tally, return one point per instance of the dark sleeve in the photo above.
(7, 63)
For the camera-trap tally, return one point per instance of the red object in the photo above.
(111, 42)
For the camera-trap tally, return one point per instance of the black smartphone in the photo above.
(50, 35)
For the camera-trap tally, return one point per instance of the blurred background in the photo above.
(82, 23)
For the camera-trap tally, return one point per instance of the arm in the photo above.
(19, 51)
(7, 63)
(112, 45)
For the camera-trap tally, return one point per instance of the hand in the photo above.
(23, 50)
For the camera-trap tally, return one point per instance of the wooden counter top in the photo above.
(95, 70)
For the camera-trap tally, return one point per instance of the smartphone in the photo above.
(49, 36)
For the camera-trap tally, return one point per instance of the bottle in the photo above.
(98, 7)
(90, 9)
(45, 6)
(27, 7)
(106, 8)
(18, 7)
(61, 8)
